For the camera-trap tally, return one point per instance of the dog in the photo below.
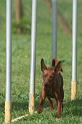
(52, 86)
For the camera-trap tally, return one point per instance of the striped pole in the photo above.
(33, 57)
(54, 29)
(8, 60)
(74, 51)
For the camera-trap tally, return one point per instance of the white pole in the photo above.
(74, 51)
(33, 57)
(8, 60)
(54, 29)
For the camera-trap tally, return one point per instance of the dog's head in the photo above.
(50, 72)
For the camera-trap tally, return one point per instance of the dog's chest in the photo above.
(49, 92)
(54, 86)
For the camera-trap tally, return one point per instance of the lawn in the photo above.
(72, 113)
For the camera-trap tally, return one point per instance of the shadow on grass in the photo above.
(2, 104)
(20, 106)
(2, 109)
(73, 108)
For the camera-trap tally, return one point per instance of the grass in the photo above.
(72, 113)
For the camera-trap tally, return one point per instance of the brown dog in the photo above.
(52, 86)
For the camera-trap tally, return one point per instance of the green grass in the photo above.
(72, 113)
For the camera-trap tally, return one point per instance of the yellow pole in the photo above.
(7, 112)
(33, 57)
(74, 51)
(73, 90)
(31, 105)
(8, 60)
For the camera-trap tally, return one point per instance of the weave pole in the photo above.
(8, 60)
(74, 51)
(33, 57)
(54, 29)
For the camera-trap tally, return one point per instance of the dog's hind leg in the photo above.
(51, 104)
(59, 111)
(59, 104)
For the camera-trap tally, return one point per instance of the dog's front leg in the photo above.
(42, 99)
(59, 111)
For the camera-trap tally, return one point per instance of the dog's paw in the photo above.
(52, 109)
(39, 110)
(58, 115)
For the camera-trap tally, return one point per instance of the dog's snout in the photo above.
(46, 85)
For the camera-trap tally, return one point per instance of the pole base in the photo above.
(31, 104)
(73, 90)
(7, 112)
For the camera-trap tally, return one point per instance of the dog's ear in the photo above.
(43, 66)
(58, 67)
(53, 62)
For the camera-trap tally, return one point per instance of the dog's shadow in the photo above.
(73, 107)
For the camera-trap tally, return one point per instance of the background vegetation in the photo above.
(72, 113)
